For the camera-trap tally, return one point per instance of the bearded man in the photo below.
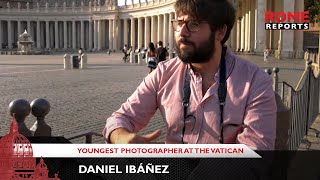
(206, 94)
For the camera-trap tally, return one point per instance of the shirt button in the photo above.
(196, 131)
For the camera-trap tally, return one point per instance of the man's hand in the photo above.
(122, 136)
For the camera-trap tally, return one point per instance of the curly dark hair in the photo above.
(216, 12)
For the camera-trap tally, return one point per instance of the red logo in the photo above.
(16, 158)
(287, 21)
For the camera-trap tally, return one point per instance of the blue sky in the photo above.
(121, 2)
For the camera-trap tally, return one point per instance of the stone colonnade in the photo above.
(128, 26)
(249, 34)
(90, 34)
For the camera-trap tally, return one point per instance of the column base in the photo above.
(299, 54)
(258, 52)
(285, 54)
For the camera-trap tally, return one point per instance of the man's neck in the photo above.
(210, 67)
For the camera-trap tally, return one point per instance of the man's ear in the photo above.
(221, 32)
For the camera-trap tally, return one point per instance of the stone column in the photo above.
(82, 33)
(233, 36)
(139, 32)
(1, 34)
(86, 36)
(171, 37)
(153, 29)
(319, 57)
(74, 41)
(115, 34)
(133, 38)
(160, 29)
(252, 26)
(247, 28)
(298, 35)
(28, 27)
(110, 34)
(243, 25)
(268, 32)
(61, 40)
(99, 34)
(238, 34)
(51, 36)
(95, 38)
(47, 35)
(287, 37)
(125, 31)
(146, 32)
(9, 34)
(38, 35)
(65, 32)
(260, 32)
(69, 30)
(165, 30)
(90, 35)
(19, 27)
(56, 34)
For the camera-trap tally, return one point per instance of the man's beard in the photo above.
(201, 54)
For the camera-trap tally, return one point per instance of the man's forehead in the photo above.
(185, 17)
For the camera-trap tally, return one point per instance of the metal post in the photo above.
(309, 96)
(275, 79)
(89, 139)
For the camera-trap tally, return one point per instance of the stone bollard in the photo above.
(132, 54)
(40, 108)
(67, 62)
(147, 57)
(140, 58)
(171, 55)
(84, 61)
(20, 109)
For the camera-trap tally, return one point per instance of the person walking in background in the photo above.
(80, 52)
(152, 62)
(125, 54)
(162, 52)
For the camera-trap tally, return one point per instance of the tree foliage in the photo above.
(313, 6)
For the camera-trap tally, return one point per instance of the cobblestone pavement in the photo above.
(83, 99)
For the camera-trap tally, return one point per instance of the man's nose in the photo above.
(184, 31)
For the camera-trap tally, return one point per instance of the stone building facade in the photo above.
(102, 24)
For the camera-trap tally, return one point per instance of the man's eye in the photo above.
(193, 24)
(180, 23)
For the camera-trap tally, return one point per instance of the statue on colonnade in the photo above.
(73, 4)
(47, 5)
